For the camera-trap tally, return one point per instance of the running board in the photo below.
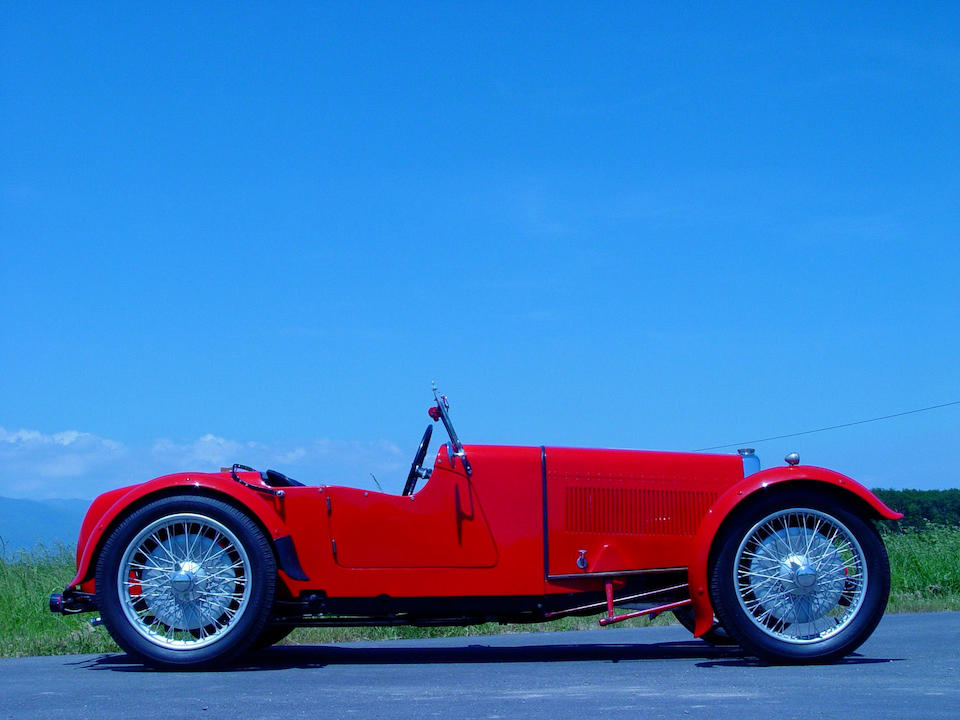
(611, 601)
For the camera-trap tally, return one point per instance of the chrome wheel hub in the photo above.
(188, 581)
(805, 580)
(797, 573)
(800, 575)
(184, 581)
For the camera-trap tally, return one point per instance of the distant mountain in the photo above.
(28, 524)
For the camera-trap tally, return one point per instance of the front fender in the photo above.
(750, 487)
(110, 508)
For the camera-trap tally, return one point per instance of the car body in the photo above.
(191, 569)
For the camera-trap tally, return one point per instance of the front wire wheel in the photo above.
(802, 583)
(185, 582)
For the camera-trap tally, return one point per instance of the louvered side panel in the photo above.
(628, 511)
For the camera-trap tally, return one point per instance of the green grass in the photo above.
(923, 563)
(27, 627)
(924, 569)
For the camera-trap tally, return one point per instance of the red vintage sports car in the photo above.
(189, 570)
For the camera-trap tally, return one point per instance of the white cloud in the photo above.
(39, 465)
(203, 453)
(293, 456)
(72, 463)
(35, 438)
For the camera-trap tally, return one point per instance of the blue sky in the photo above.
(256, 233)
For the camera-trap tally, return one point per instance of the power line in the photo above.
(824, 429)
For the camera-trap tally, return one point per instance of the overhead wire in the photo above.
(830, 427)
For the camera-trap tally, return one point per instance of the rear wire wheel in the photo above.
(185, 582)
(271, 635)
(800, 578)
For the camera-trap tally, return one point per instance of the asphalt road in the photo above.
(909, 668)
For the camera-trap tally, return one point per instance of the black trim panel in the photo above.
(287, 558)
(313, 607)
(616, 573)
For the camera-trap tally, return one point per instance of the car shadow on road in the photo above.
(410, 653)
(746, 661)
(285, 657)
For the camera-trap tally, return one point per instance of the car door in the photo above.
(441, 526)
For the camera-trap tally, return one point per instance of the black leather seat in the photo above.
(278, 479)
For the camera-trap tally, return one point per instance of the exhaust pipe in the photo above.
(71, 601)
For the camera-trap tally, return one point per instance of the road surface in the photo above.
(909, 668)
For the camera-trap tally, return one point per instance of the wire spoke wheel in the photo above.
(800, 575)
(184, 581)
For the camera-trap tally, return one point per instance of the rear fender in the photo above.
(110, 509)
(751, 488)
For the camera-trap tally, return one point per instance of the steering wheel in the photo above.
(416, 471)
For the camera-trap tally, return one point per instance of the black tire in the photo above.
(799, 578)
(271, 635)
(186, 582)
(716, 635)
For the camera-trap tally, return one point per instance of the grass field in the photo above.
(924, 566)
(924, 569)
